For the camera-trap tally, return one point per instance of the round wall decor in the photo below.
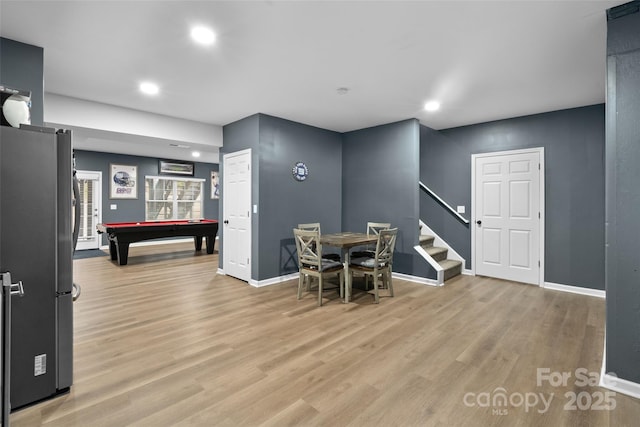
(300, 171)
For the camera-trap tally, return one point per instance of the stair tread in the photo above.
(426, 239)
(435, 250)
(450, 263)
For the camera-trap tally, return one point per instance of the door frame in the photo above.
(540, 152)
(98, 195)
(225, 204)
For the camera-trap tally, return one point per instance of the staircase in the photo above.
(451, 267)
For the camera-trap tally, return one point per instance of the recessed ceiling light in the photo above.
(432, 106)
(195, 153)
(203, 35)
(149, 88)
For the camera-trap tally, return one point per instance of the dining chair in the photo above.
(373, 228)
(312, 264)
(380, 266)
(316, 226)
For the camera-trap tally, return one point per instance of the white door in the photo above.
(236, 193)
(90, 201)
(508, 223)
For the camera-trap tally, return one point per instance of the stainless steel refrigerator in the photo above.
(36, 248)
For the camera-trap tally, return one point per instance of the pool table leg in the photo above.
(211, 241)
(123, 253)
(197, 241)
(113, 250)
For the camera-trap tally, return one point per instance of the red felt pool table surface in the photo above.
(158, 223)
(121, 234)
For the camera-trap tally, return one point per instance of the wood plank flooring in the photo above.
(166, 341)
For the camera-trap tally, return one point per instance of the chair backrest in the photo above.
(309, 248)
(313, 226)
(373, 228)
(385, 246)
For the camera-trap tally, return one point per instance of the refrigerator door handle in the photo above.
(17, 288)
(5, 331)
(13, 288)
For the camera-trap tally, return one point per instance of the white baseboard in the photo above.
(292, 276)
(266, 282)
(416, 279)
(620, 385)
(575, 290)
(467, 272)
(273, 280)
(612, 382)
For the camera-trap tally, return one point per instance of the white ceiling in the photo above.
(483, 60)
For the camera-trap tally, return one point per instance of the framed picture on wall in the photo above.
(123, 182)
(215, 185)
(176, 167)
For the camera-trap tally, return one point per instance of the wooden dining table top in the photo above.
(347, 239)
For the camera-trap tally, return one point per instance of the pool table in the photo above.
(121, 234)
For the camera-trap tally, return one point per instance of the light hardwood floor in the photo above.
(166, 341)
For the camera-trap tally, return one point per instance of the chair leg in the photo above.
(300, 283)
(320, 291)
(341, 280)
(375, 286)
(390, 282)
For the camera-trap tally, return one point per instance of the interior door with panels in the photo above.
(236, 195)
(508, 215)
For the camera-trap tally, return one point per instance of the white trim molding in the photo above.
(575, 290)
(451, 254)
(439, 241)
(273, 280)
(433, 263)
(415, 279)
(280, 279)
(612, 382)
(266, 282)
(620, 385)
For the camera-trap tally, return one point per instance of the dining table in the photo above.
(347, 240)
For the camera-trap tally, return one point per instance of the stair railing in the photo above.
(442, 202)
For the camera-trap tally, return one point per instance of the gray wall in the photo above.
(623, 196)
(237, 136)
(573, 141)
(134, 210)
(360, 176)
(285, 202)
(21, 67)
(380, 184)
(282, 201)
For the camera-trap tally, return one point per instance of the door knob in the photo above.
(479, 222)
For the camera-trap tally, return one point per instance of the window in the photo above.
(173, 198)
